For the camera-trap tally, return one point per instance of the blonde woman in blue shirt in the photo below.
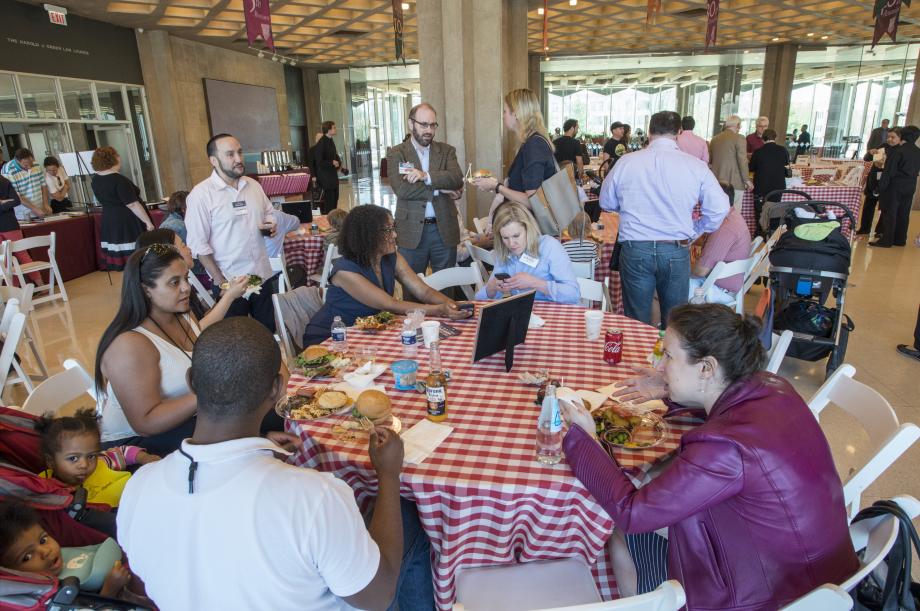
(531, 261)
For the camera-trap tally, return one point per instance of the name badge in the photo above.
(405, 167)
(529, 261)
(239, 208)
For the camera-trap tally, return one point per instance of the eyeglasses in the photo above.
(425, 125)
(388, 230)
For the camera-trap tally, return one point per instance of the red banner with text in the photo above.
(887, 13)
(398, 28)
(712, 22)
(258, 22)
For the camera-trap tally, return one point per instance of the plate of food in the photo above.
(318, 362)
(253, 285)
(376, 322)
(481, 173)
(371, 408)
(313, 402)
(631, 431)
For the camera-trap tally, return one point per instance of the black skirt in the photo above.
(118, 236)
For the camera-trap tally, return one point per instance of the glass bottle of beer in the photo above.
(436, 386)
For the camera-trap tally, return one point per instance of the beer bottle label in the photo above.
(437, 400)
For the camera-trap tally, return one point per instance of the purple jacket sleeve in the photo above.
(702, 475)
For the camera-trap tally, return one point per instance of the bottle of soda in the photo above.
(409, 340)
(699, 296)
(658, 351)
(339, 341)
(436, 386)
(549, 429)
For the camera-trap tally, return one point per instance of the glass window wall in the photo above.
(39, 96)
(9, 104)
(78, 99)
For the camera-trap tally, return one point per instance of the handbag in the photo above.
(556, 202)
(897, 591)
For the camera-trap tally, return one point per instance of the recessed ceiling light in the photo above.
(540, 11)
(775, 39)
(824, 38)
(573, 2)
(747, 50)
(405, 6)
(810, 34)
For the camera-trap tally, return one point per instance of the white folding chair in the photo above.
(874, 538)
(755, 244)
(669, 596)
(203, 294)
(332, 253)
(284, 338)
(467, 278)
(724, 270)
(771, 241)
(481, 224)
(888, 437)
(777, 351)
(481, 254)
(828, 597)
(54, 274)
(304, 302)
(6, 274)
(277, 264)
(591, 291)
(60, 389)
(24, 296)
(584, 269)
(11, 329)
(527, 585)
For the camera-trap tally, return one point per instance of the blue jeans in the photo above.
(647, 267)
(430, 249)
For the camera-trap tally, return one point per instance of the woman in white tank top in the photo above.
(144, 355)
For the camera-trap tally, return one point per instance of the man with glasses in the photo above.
(426, 179)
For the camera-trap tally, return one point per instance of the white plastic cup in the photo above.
(594, 319)
(431, 331)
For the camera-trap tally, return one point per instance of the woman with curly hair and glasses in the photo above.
(362, 281)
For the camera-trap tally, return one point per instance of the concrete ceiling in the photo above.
(360, 32)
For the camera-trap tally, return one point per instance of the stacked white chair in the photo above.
(60, 389)
(54, 273)
(889, 438)
(24, 297)
(12, 325)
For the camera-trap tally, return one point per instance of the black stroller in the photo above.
(803, 274)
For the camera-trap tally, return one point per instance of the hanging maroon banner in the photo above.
(545, 28)
(652, 8)
(712, 22)
(258, 22)
(398, 28)
(887, 14)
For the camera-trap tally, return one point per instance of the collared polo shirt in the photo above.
(28, 184)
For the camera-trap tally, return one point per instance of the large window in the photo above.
(842, 93)
(630, 89)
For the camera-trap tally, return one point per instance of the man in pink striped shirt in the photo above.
(689, 142)
(730, 242)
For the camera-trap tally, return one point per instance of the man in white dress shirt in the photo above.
(227, 215)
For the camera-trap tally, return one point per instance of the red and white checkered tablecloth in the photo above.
(482, 497)
(307, 250)
(851, 197)
(842, 165)
(284, 184)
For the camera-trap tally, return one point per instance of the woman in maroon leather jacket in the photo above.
(752, 501)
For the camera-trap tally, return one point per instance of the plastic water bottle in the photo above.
(339, 341)
(699, 296)
(549, 429)
(409, 340)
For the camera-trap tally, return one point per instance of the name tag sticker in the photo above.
(239, 208)
(405, 167)
(529, 260)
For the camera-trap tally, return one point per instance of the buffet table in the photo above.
(482, 497)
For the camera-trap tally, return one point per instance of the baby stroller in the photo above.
(60, 509)
(804, 271)
(771, 212)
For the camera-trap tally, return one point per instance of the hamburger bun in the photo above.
(313, 352)
(374, 405)
(482, 173)
(332, 399)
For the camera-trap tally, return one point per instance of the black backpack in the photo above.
(897, 592)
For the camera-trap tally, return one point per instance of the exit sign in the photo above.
(56, 14)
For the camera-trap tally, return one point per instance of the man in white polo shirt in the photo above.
(227, 215)
(223, 524)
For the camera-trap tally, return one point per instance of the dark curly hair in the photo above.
(715, 330)
(52, 428)
(104, 158)
(15, 518)
(362, 235)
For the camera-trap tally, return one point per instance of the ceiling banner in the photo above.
(545, 28)
(258, 22)
(886, 13)
(712, 22)
(652, 8)
(398, 28)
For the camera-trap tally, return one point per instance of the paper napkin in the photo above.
(423, 439)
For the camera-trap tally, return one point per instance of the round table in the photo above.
(482, 497)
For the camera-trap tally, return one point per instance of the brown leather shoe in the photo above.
(908, 351)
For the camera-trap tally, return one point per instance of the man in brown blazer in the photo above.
(426, 178)
(729, 162)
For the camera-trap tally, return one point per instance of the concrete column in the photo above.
(163, 103)
(311, 96)
(535, 82)
(728, 88)
(779, 73)
(471, 52)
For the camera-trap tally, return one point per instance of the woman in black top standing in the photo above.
(124, 217)
(534, 161)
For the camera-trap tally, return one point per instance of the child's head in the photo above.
(70, 445)
(579, 226)
(24, 544)
(336, 218)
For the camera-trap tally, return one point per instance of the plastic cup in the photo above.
(594, 319)
(366, 354)
(431, 331)
(417, 317)
(404, 374)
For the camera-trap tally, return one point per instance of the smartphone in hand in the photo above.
(502, 276)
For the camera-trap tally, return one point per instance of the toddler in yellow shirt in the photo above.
(72, 450)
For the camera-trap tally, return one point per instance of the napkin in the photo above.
(423, 439)
(654, 405)
(353, 391)
(535, 322)
(363, 376)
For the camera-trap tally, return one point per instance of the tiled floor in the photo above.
(882, 299)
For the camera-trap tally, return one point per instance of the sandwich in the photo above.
(314, 357)
(481, 173)
(375, 406)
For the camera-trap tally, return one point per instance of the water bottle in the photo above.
(699, 296)
(549, 429)
(409, 340)
(339, 342)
